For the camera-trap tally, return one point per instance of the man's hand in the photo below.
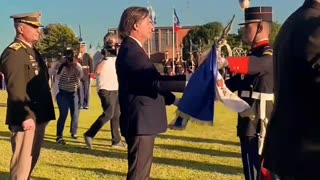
(28, 125)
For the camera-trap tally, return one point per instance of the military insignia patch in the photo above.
(15, 46)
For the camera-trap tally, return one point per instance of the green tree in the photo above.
(201, 37)
(55, 39)
(274, 31)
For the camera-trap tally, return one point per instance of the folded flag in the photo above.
(197, 102)
(204, 87)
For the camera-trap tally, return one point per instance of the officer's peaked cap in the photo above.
(32, 19)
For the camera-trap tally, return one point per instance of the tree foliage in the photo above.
(201, 37)
(274, 31)
(55, 39)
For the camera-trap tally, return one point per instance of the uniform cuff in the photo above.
(239, 65)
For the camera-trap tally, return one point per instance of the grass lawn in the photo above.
(200, 152)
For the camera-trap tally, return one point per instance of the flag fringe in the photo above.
(186, 119)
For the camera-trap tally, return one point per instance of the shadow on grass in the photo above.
(199, 150)
(87, 127)
(6, 176)
(98, 142)
(78, 147)
(71, 147)
(3, 104)
(202, 166)
(5, 135)
(95, 170)
(197, 139)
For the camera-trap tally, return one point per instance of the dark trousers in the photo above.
(140, 155)
(85, 93)
(250, 157)
(111, 111)
(68, 100)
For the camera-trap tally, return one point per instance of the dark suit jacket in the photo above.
(142, 102)
(293, 137)
(26, 76)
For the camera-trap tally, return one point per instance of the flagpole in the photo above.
(177, 47)
(173, 45)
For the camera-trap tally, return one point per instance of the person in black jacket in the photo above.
(142, 99)
(293, 139)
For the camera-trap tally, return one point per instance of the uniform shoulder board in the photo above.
(15, 46)
(268, 51)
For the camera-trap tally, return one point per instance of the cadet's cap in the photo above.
(32, 19)
(257, 14)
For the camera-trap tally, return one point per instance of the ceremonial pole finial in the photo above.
(244, 3)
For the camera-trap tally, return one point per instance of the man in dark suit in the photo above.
(29, 105)
(292, 147)
(142, 100)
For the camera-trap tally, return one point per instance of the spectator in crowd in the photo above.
(68, 75)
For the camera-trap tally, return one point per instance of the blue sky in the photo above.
(96, 16)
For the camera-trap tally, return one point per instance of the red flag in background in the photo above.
(177, 25)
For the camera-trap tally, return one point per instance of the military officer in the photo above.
(179, 65)
(167, 65)
(29, 104)
(87, 67)
(254, 83)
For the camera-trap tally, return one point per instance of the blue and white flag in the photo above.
(201, 92)
(197, 102)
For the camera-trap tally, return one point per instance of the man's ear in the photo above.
(20, 29)
(135, 26)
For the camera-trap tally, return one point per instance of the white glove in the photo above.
(222, 62)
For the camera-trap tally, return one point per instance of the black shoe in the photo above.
(174, 127)
(88, 140)
(119, 145)
(60, 141)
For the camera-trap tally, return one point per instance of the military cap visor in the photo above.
(32, 19)
(257, 14)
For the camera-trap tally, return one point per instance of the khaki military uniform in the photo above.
(29, 97)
